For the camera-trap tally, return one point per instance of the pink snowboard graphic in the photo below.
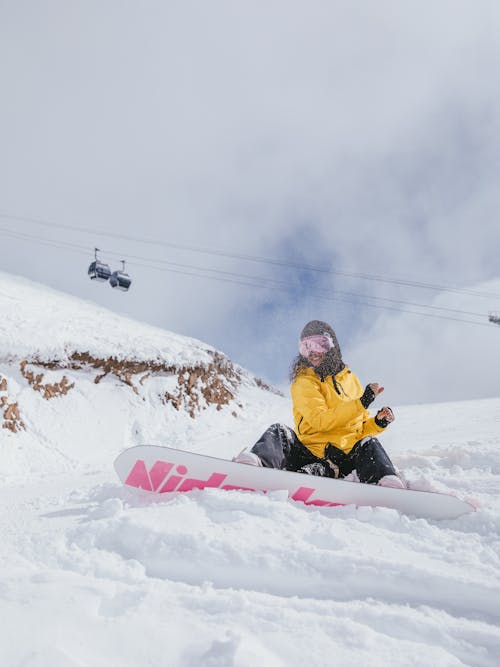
(161, 470)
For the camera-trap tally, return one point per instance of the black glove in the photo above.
(383, 422)
(368, 396)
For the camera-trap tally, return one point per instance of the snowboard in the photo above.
(161, 470)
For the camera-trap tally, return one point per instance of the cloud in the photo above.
(420, 360)
(360, 138)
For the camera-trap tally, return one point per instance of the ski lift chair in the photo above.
(120, 279)
(99, 270)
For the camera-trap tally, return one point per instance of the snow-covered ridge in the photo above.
(55, 345)
(43, 324)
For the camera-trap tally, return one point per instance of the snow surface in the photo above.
(47, 324)
(91, 575)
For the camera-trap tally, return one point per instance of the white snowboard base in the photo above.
(164, 470)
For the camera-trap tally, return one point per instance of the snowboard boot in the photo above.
(393, 481)
(247, 457)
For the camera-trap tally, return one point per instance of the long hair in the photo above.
(331, 365)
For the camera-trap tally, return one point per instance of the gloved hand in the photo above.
(384, 417)
(371, 391)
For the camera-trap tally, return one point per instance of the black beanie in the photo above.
(318, 328)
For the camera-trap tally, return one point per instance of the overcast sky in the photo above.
(356, 137)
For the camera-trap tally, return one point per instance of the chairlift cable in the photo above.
(256, 281)
(316, 296)
(318, 292)
(244, 280)
(253, 258)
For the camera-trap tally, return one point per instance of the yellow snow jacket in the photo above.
(330, 412)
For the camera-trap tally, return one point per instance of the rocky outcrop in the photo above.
(47, 390)
(10, 410)
(196, 388)
(212, 385)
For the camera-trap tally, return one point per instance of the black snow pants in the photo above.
(279, 447)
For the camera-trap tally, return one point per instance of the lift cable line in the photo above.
(255, 281)
(238, 278)
(315, 296)
(251, 258)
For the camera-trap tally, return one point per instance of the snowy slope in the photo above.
(92, 576)
(50, 325)
(78, 383)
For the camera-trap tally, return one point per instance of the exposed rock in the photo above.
(11, 417)
(215, 383)
(197, 387)
(47, 390)
(263, 385)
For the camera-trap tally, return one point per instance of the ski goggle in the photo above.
(319, 344)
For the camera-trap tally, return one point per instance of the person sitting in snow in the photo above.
(334, 431)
